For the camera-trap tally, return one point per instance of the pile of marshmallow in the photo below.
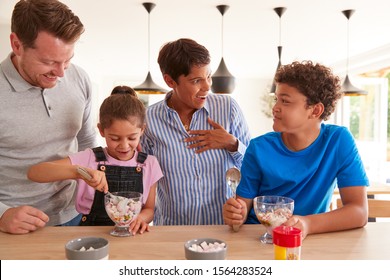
(85, 249)
(123, 210)
(276, 217)
(207, 247)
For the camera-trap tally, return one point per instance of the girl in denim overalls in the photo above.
(119, 166)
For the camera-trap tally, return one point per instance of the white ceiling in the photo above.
(115, 42)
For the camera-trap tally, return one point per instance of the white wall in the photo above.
(249, 93)
(5, 46)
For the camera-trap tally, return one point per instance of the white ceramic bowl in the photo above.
(219, 254)
(87, 248)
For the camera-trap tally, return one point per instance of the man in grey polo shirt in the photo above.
(45, 114)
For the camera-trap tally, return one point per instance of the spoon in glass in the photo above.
(233, 177)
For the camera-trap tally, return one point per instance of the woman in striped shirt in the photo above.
(195, 135)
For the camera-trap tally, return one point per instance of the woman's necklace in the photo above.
(187, 121)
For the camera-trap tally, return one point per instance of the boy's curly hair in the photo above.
(315, 81)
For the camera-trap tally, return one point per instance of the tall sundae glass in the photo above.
(272, 211)
(122, 208)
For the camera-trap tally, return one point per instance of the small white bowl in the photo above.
(207, 255)
(87, 248)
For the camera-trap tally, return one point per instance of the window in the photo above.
(367, 116)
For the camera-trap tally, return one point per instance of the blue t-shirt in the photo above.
(308, 176)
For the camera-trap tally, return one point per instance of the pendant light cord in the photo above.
(222, 36)
(280, 30)
(148, 41)
(347, 47)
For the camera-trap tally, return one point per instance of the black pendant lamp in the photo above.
(223, 80)
(149, 86)
(279, 11)
(347, 87)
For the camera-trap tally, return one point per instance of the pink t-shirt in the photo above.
(151, 173)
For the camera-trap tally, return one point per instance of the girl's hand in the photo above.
(96, 179)
(138, 225)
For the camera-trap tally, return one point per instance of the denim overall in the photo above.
(119, 178)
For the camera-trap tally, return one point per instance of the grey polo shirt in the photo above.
(39, 125)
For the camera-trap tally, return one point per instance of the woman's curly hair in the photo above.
(315, 81)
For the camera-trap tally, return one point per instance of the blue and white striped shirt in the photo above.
(193, 189)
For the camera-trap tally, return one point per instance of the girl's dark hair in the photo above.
(176, 58)
(315, 81)
(122, 107)
(123, 90)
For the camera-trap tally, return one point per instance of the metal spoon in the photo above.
(233, 177)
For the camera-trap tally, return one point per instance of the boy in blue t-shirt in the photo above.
(303, 158)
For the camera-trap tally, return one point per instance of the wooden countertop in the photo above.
(167, 242)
